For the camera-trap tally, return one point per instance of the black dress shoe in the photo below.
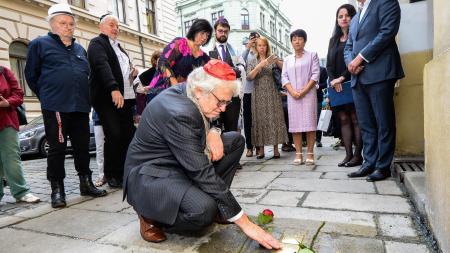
(87, 188)
(58, 194)
(362, 172)
(114, 182)
(379, 174)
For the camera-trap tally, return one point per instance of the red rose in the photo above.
(267, 212)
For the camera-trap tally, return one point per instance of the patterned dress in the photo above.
(268, 127)
(177, 58)
(298, 71)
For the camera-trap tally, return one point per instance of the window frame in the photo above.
(150, 14)
(17, 63)
(116, 11)
(245, 19)
(83, 3)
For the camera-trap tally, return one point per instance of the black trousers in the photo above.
(319, 110)
(119, 129)
(197, 208)
(230, 117)
(286, 118)
(74, 125)
(247, 114)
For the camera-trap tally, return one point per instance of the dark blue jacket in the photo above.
(58, 74)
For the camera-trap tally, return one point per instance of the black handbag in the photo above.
(21, 115)
(276, 73)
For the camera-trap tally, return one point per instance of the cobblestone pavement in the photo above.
(360, 217)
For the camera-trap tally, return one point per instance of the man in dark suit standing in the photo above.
(225, 52)
(170, 178)
(373, 59)
(112, 96)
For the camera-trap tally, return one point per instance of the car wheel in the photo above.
(43, 148)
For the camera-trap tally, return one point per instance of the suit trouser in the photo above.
(10, 163)
(76, 126)
(118, 128)
(247, 114)
(230, 116)
(375, 110)
(286, 118)
(197, 208)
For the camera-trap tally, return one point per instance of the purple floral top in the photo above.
(177, 58)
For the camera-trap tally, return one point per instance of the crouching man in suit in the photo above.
(171, 178)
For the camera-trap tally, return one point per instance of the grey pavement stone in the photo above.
(388, 187)
(286, 167)
(254, 179)
(282, 198)
(350, 229)
(301, 174)
(293, 184)
(397, 226)
(329, 160)
(399, 247)
(27, 241)
(333, 244)
(357, 202)
(336, 216)
(36, 212)
(341, 175)
(248, 195)
(415, 186)
(251, 167)
(78, 223)
(9, 220)
(229, 239)
(109, 203)
(334, 168)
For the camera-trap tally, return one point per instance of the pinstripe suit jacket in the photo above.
(166, 157)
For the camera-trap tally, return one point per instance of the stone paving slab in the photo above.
(396, 226)
(109, 203)
(345, 244)
(31, 242)
(254, 179)
(329, 160)
(287, 167)
(334, 168)
(345, 217)
(399, 247)
(301, 174)
(282, 198)
(340, 175)
(388, 187)
(90, 225)
(248, 195)
(357, 202)
(322, 185)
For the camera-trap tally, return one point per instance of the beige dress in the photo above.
(268, 127)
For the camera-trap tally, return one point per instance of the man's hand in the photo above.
(4, 102)
(353, 65)
(215, 144)
(256, 233)
(117, 98)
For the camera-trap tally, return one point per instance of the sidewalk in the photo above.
(361, 217)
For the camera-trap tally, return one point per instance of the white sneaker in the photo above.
(29, 198)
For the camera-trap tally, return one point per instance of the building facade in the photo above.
(146, 26)
(244, 16)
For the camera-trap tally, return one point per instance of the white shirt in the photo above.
(124, 62)
(219, 49)
(364, 9)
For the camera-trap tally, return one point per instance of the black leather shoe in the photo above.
(58, 195)
(362, 172)
(379, 174)
(353, 163)
(114, 182)
(87, 188)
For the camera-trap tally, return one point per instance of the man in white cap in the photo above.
(57, 71)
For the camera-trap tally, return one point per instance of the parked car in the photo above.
(32, 138)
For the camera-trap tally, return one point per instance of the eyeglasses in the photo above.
(221, 103)
(223, 31)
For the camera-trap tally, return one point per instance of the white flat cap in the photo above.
(59, 9)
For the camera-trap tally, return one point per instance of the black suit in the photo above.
(106, 76)
(229, 118)
(168, 177)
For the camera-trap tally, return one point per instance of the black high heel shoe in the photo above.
(353, 162)
(344, 162)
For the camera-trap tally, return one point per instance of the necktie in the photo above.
(223, 53)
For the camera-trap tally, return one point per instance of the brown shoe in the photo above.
(249, 153)
(150, 232)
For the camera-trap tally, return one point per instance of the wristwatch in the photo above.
(216, 129)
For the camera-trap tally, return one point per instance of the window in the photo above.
(281, 36)
(287, 38)
(272, 28)
(77, 3)
(245, 23)
(215, 16)
(18, 58)
(263, 21)
(188, 24)
(118, 10)
(151, 17)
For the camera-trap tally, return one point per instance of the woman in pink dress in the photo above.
(300, 75)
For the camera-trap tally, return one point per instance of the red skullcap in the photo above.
(220, 69)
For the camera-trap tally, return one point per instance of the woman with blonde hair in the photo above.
(268, 127)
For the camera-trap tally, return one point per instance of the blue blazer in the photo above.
(374, 38)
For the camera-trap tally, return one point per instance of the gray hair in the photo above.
(198, 78)
(107, 17)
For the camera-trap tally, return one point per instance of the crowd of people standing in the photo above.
(194, 105)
